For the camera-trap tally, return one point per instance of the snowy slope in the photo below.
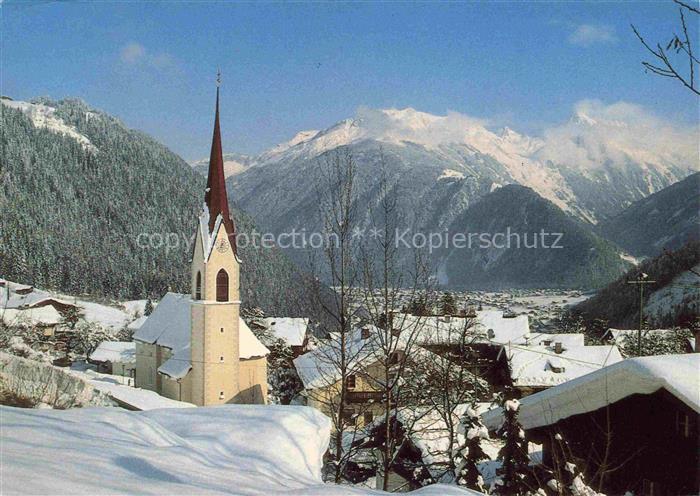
(217, 450)
(43, 116)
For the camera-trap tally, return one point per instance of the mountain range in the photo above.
(590, 168)
(78, 187)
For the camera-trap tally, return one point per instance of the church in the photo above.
(195, 347)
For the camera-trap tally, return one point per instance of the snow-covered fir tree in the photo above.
(473, 453)
(514, 473)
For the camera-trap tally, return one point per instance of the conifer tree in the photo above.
(514, 471)
(148, 309)
(474, 432)
(448, 305)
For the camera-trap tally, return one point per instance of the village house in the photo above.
(294, 331)
(631, 426)
(195, 347)
(533, 368)
(115, 358)
(320, 373)
(321, 376)
(477, 335)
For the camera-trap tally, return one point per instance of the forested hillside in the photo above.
(663, 220)
(577, 259)
(78, 211)
(618, 303)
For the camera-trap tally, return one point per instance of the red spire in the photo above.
(215, 196)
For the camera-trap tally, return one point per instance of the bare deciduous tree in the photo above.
(680, 44)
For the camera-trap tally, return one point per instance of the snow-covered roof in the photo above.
(34, 299)
(178, 365)
(169, 326)
(291, 329)
(318, 367)
(567, 340)
(40, 316)
(96, 313)
(486, 326)
(541, 366)
(136, 324)
(678, 374)
(141, 399)
(114, 351)
(248, 345)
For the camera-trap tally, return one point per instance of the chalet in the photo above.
(46, 318)
(320, 374)
(115, 357)
(631, 426)
(478, 335)
(321, 377)
(294, 331)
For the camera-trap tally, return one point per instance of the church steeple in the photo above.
(215, 196)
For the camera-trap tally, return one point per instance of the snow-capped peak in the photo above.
(582, 118)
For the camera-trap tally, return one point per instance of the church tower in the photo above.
(215, 290)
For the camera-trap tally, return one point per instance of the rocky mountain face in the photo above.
(92, 207)
(666, 219)
(591, 167)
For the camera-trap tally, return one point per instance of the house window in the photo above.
(221, 395)
(198, 287)
(365, 333)
(368, 417)
(349, 417)
(682, 424)
(222, 330)
(650, 488)
(222, 286)
(221, 359)
(395, 357)
(350, 381)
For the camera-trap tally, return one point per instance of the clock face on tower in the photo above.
(222, 246)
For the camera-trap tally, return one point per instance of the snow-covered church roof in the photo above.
(169, 326)
(677, 374)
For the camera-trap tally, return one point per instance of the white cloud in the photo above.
(590, 34)
(418, 127)
(132, 53)
(136, 54)
(598, 133)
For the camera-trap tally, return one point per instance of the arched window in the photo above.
(198, 287)
(222, 286)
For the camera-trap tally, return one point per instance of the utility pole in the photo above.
(641, 280)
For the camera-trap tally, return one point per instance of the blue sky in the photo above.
(288, 67)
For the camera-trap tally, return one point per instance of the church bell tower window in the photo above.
(222, 286)
(198, 287)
